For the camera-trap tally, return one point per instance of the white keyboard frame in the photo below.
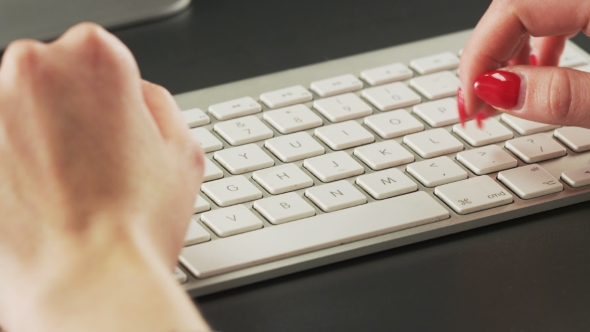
(355, 64)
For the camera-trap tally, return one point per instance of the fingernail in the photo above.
(479, 117)
(461, 107)
(498, 88)
(533, 60)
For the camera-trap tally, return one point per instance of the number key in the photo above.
(243, 130)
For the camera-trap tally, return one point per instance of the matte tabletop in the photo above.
(528, 274)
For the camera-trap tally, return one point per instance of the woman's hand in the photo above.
(542, 93)
(98, 176)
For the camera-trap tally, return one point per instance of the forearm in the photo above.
(125, 291)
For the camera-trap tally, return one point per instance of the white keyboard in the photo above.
(331, 161)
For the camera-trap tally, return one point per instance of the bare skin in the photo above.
(97, 182)
(501, 41)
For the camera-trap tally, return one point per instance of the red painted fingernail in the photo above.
(479, 117)
(498, 88)
(461, 107)
(533, 60)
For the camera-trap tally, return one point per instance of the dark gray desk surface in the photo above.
(529, 274)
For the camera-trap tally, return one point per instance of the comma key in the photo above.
(474, 194)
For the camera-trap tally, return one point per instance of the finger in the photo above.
(543, 94)
(504, 28)
(164, 111)
(548, 49)
(523, 56)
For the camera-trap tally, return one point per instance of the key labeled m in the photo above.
(387, 181)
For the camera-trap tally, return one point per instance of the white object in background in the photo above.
(291, 119)
(437, 171)
(492, 131)
(284, 208)
(391, 96)
(336, 85)
(344, 135)
(333, 166)
(243, 130)
(335, 196)
(437, 85)
(235, 108)
(577, 177)
(535, 148)
(436, 62)
(530, 181)
(294, 147)
(433, 143)
(472, 195)
(231, 221)
(526, 127)
(230, 191)
(341, 108)
(195, 117)
(394, 124)
(438, 113)
(576, 138)
(386, 74)
(286, 97)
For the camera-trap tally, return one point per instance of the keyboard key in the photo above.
(344, 135)
(211, 172)
(230, 191)
(195, 234)
(335, 196)
(294, 147)
(535, 148)
(436, 172)
(387, 74)
(438, 113)
(577, 177)
(336, 85)
(292, 118)
(526, 127)
(333, 166)
(433, 143)
(437, 85)
(391, 96)
(576, 138)
(281, 179)
(286, 97)
(387, 183)
(311, 234)
(243, 159)
(284, 208)
(342, 108)
(530, 181)
(383, 155)
(571, 58)
(195, 117)
(585, 68)
(208, 141)
(201, 205)
(235, 108)
(394, 124)
(472, 195)
(487, 159)
(491, 132)
(434, 63)
(180, 276)
(231, 221)
(243, 130)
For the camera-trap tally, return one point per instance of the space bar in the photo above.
(311, 234)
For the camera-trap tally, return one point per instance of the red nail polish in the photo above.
(498, 88)
(479, 117)
(461, 107)
(533, 60)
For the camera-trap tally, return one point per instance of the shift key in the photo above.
(474, 194)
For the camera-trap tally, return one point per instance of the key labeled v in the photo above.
(233, 217)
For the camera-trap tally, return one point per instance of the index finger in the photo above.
(504, 28)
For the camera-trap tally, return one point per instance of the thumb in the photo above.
(544, 94)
